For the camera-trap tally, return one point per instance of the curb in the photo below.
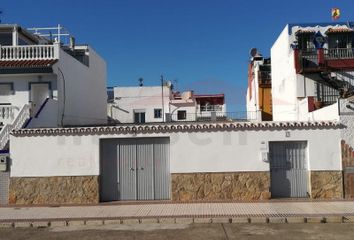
(178, 220)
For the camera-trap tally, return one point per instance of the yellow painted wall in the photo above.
(265, 102)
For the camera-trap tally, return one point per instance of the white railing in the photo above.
(339, 53)
(17, 123)
(30, 52)
(6, 113)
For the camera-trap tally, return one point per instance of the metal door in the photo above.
(288, 169)
(145, 169)
(135, 169)
(39, 93)
(162, 177)
(127, 169)
(109, 171)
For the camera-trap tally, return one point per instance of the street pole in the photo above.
(163, 105)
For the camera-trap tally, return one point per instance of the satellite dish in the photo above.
(169, 84)
(253, 52)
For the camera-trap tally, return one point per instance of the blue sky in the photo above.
(198, 44)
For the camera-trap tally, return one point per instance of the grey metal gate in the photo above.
(4, 187)
(288, 169)
(127, 168)
(135, 169)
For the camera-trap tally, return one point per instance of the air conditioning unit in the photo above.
(3, 162)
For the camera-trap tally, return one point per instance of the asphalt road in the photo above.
(184, 231)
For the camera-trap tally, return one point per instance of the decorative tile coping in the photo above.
(176, 127)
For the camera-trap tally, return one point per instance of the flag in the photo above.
(335, 13)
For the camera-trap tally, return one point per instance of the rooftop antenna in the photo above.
(1, 13)
(141, 82)
(174, 84)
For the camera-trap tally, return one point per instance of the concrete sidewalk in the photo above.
(335, 211)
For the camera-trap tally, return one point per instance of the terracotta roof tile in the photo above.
(339, 30)
(27, 63)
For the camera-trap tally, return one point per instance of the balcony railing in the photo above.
(214, 116)
(7, 113)
(30, 52)
(210, 108)
(339, 53)
(317, 60)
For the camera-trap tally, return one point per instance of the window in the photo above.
(6, 89)
(157, 113)
(181, 115)
(139, 116)
(5, 39)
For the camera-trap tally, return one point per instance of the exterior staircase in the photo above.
(18, 122)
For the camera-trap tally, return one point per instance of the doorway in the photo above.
(135, 169)
(288, 169)
(39, 92)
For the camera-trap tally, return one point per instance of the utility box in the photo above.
(3, 162)
(264, 152)
(265, 157)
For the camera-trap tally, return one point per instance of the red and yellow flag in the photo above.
(335, 13)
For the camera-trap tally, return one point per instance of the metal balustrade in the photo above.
(30, 52)
(339, 53)
(214, 116)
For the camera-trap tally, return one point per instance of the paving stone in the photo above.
(167, 220)
(23, 224)
(40, 224)
(58, 223)
(6, 224)
(148, 220)
(94, 222)
(76, 223)
(315, 220)
(184, 220)
(220, 220)
(334, 219)
(348, 219)
(202, 220)
(112, 222)
(130, 221)
(240, 220)
(277, 220)
(259, 220)
(295, 219)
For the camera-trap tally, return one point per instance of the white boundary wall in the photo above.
(218, 151)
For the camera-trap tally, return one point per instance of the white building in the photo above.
(312, 66)
(183, 107)
(259, 95)
(160, 104)
(48, 83)
(140, 104)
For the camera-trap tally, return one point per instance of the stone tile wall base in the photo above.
(326, 184)
(348, 162)
(54, 190)
(220, 186)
